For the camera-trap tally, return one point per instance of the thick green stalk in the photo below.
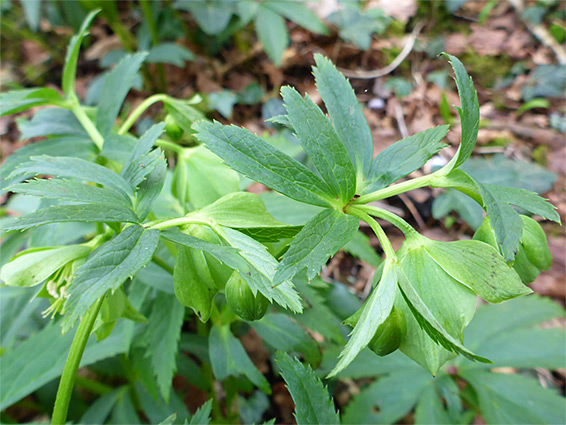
(136, 113)
(72, 365)
(396, 189)
(378, 230)
(166, 144)
(174, 222)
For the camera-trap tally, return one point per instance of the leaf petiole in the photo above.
(394, 219)
(72, 364)
(180, 221)
(395, 189)
(166, 144)
(136, 113)
(358, 212)
(87, 124)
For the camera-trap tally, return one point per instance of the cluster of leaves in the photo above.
(218, 20)
(122, 244)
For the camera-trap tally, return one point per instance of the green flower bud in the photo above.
(242, 301)
(389, 334)
(532, 254)
(535, 244)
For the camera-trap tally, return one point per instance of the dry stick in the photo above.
(368, 75)
(541, 33)
(413, 210)
(250, 54)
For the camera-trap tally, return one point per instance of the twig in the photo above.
(400, 119)
(254, 51)
(413, 210)
(541, 33)
(368, 75)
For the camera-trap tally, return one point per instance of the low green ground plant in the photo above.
(149, 271)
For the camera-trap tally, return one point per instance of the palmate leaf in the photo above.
(33, 266)
(469, 112)
(60, 166)
(72, 56)
(142, 161)
(107, 268)
(162, 337)
(320, 238)
(172, 53)
(510, 335)
(345, 113)
(73, 191)
(52, 122)
(497, 201)
(298, 13)
(24, 371)
(321, 143)
(250, 155)
(199, 164)
(138, 170)
(259, 270)
(15, 101)
(515, 399)
(272, 32)
(525, 348)
(228, 358)
(150, 189)
(313, 404)
(222, 253)
(269, 234)
(359, 246)
(202, 415)
(375, 312)
(212, 16)
(506, 223)
(89, 213)
(282, 333)
(116, 86)
(391, 395)
(241, 210)
(404, 157)
(63, 146)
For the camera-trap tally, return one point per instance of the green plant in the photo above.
(119, 245)
(340, 147)
(505, 392)
(222, 18)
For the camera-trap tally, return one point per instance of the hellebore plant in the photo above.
(225, 241)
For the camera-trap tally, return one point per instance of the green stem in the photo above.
(180, 221)
(67, 382)
(396, 189)
(166, 144)
(87, 124)
(378, 230)
(136, 113)
(394, 219)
